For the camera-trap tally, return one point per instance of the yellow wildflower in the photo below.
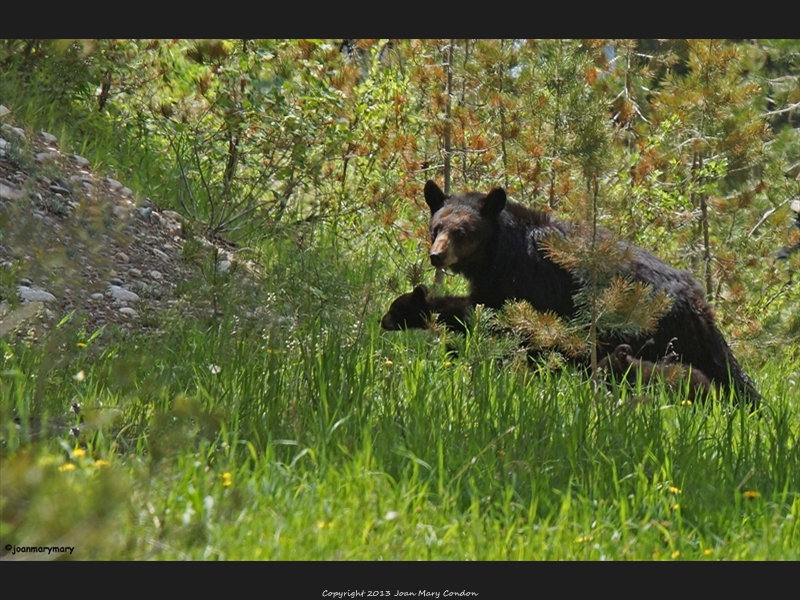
(66, 467)
(101, 462)
(751, 494)
(226, 479)
(79, 453)
(674, 490)
(676, 554)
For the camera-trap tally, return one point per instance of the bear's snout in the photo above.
(437, 259)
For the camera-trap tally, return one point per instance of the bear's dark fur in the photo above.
(414, 311)
(622, 364)
(495, 244)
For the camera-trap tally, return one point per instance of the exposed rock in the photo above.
(28, 294)
(120, 293)
(10, 193)
(86, 239)
(42, 157)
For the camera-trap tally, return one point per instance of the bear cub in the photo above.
(415, 310)
(622, 364)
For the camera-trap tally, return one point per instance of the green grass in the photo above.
(307, 433)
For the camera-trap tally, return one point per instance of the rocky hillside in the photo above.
(75, 240)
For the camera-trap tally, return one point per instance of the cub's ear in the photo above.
(420, 292)
(493, 203)
(434, 196)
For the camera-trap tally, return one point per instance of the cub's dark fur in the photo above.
(414, 311)
(622, 364)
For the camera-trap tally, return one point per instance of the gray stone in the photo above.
(10, 193)
(57, 189)
(42, 157)
(83, 162)
(135, 273)
(171, 214)
(160, 254)
(34, 294)
(115, 185)
(127, 310)
(156, 274)
(223, 266)
(126, 191)
(122, 257)
(119, 293)
(49, 137)
(8, 130)
(97, 296)
(3, 111)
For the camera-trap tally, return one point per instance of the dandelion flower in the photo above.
(676, 554)
(66, 467)
(79, 453)
(674, 490)
(101, 462)
(708, 552)
(388, 363)
(751, 494)
(226, 480)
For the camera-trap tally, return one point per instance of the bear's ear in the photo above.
(493, 203)
(420, 292)
(434, 196)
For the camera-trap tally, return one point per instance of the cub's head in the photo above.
(461, 223)
(618, 361)
(409, 311)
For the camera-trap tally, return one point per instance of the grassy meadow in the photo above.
(285, 425)
(310, 434)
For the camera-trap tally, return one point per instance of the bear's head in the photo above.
(461, 224)
(409, 311)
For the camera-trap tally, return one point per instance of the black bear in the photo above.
(414, 310)
(622, 364)
(495, 244)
